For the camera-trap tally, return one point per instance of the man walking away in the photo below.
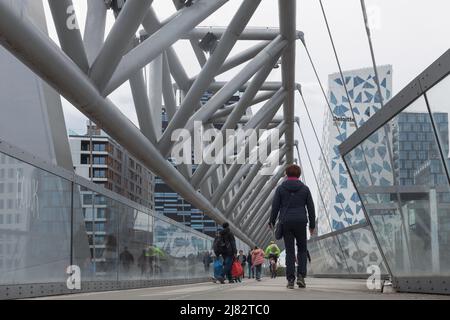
(258, 261)
(294, 203)
(225, 246)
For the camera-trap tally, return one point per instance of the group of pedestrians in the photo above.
(227, 260)
(293, 209)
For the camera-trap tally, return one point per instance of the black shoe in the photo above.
(290, 285)
(301, 282)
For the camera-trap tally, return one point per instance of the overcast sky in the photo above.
(408, 34)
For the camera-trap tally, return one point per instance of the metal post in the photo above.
(287, 13)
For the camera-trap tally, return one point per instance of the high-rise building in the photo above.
(343, 208)
(416, 162)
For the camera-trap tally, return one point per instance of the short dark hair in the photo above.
(293, 171)
(226, 225)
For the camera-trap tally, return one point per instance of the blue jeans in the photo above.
(227, 264)
(258, 270)
(251, 272)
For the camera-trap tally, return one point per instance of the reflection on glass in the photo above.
(327, 257)
(405, 190)
(35, 211)
(40, 212)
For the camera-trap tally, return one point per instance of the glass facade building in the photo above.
(341, 207)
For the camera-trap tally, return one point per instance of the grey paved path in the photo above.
(250, 290)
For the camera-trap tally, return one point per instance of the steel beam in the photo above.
(167, 87)
(206, 76)
(254, 33)
(233, 120)
(236, 173)
(259, 121)
(201, 57)
(244, 188)
(42, 56)
(242, 57)
(258, 186)
(258, 214)
(142, 106)
(151, 25)
(246, 119)
(258, 99)
(232, 177)
(157, 43)
(94, 31)
(239, 214)
(257, 226)
(287, 12)
(69, 38)
(268, 86)
(117, 42)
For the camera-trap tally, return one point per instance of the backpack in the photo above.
(236, 270)
(220, 245)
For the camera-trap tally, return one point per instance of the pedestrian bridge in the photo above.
(65, 235)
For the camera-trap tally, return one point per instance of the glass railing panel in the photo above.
(361, 251)
(404, 190)
(169, 259)
(326, 257)
(84, 239)
(135, 237)
(35, 222)
(439, 105)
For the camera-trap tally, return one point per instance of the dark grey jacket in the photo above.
(230, 240)
(301, 206)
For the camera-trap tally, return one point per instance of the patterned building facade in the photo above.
(343, 208)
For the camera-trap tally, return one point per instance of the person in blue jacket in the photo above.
(294, 206)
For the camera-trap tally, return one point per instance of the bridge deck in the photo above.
(268, 289)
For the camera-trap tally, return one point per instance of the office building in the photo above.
(344, 208)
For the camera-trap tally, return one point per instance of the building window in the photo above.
(85, 145)
(100, 173)
(87, 199)
(101, 147)
(101, 160)
(100, 200)
(85, 159)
